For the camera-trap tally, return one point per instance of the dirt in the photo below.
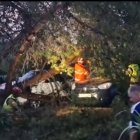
(102, 112)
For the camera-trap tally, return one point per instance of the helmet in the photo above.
(80, 60)
(16, 90)
(134, 67)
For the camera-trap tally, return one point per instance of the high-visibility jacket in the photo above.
(135, 75)
(6, 107)
(81, 73)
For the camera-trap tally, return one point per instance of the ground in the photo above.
(69, 122)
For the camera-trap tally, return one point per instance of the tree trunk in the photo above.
(43, 75)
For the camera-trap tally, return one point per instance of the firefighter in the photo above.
(82, 72)
(13, 101)
(133, 72)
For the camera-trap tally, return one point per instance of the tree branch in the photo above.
(86, 25)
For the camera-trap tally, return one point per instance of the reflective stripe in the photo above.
(77, 79)
(78, 72)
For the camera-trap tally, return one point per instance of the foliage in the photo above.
(114, 26)
(75, 126)
(56, 52)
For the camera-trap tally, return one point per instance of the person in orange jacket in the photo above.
(82, 73)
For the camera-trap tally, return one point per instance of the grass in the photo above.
(70, 123)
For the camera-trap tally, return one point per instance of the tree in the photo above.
(105, 30)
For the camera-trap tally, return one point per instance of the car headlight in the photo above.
(105, 85)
